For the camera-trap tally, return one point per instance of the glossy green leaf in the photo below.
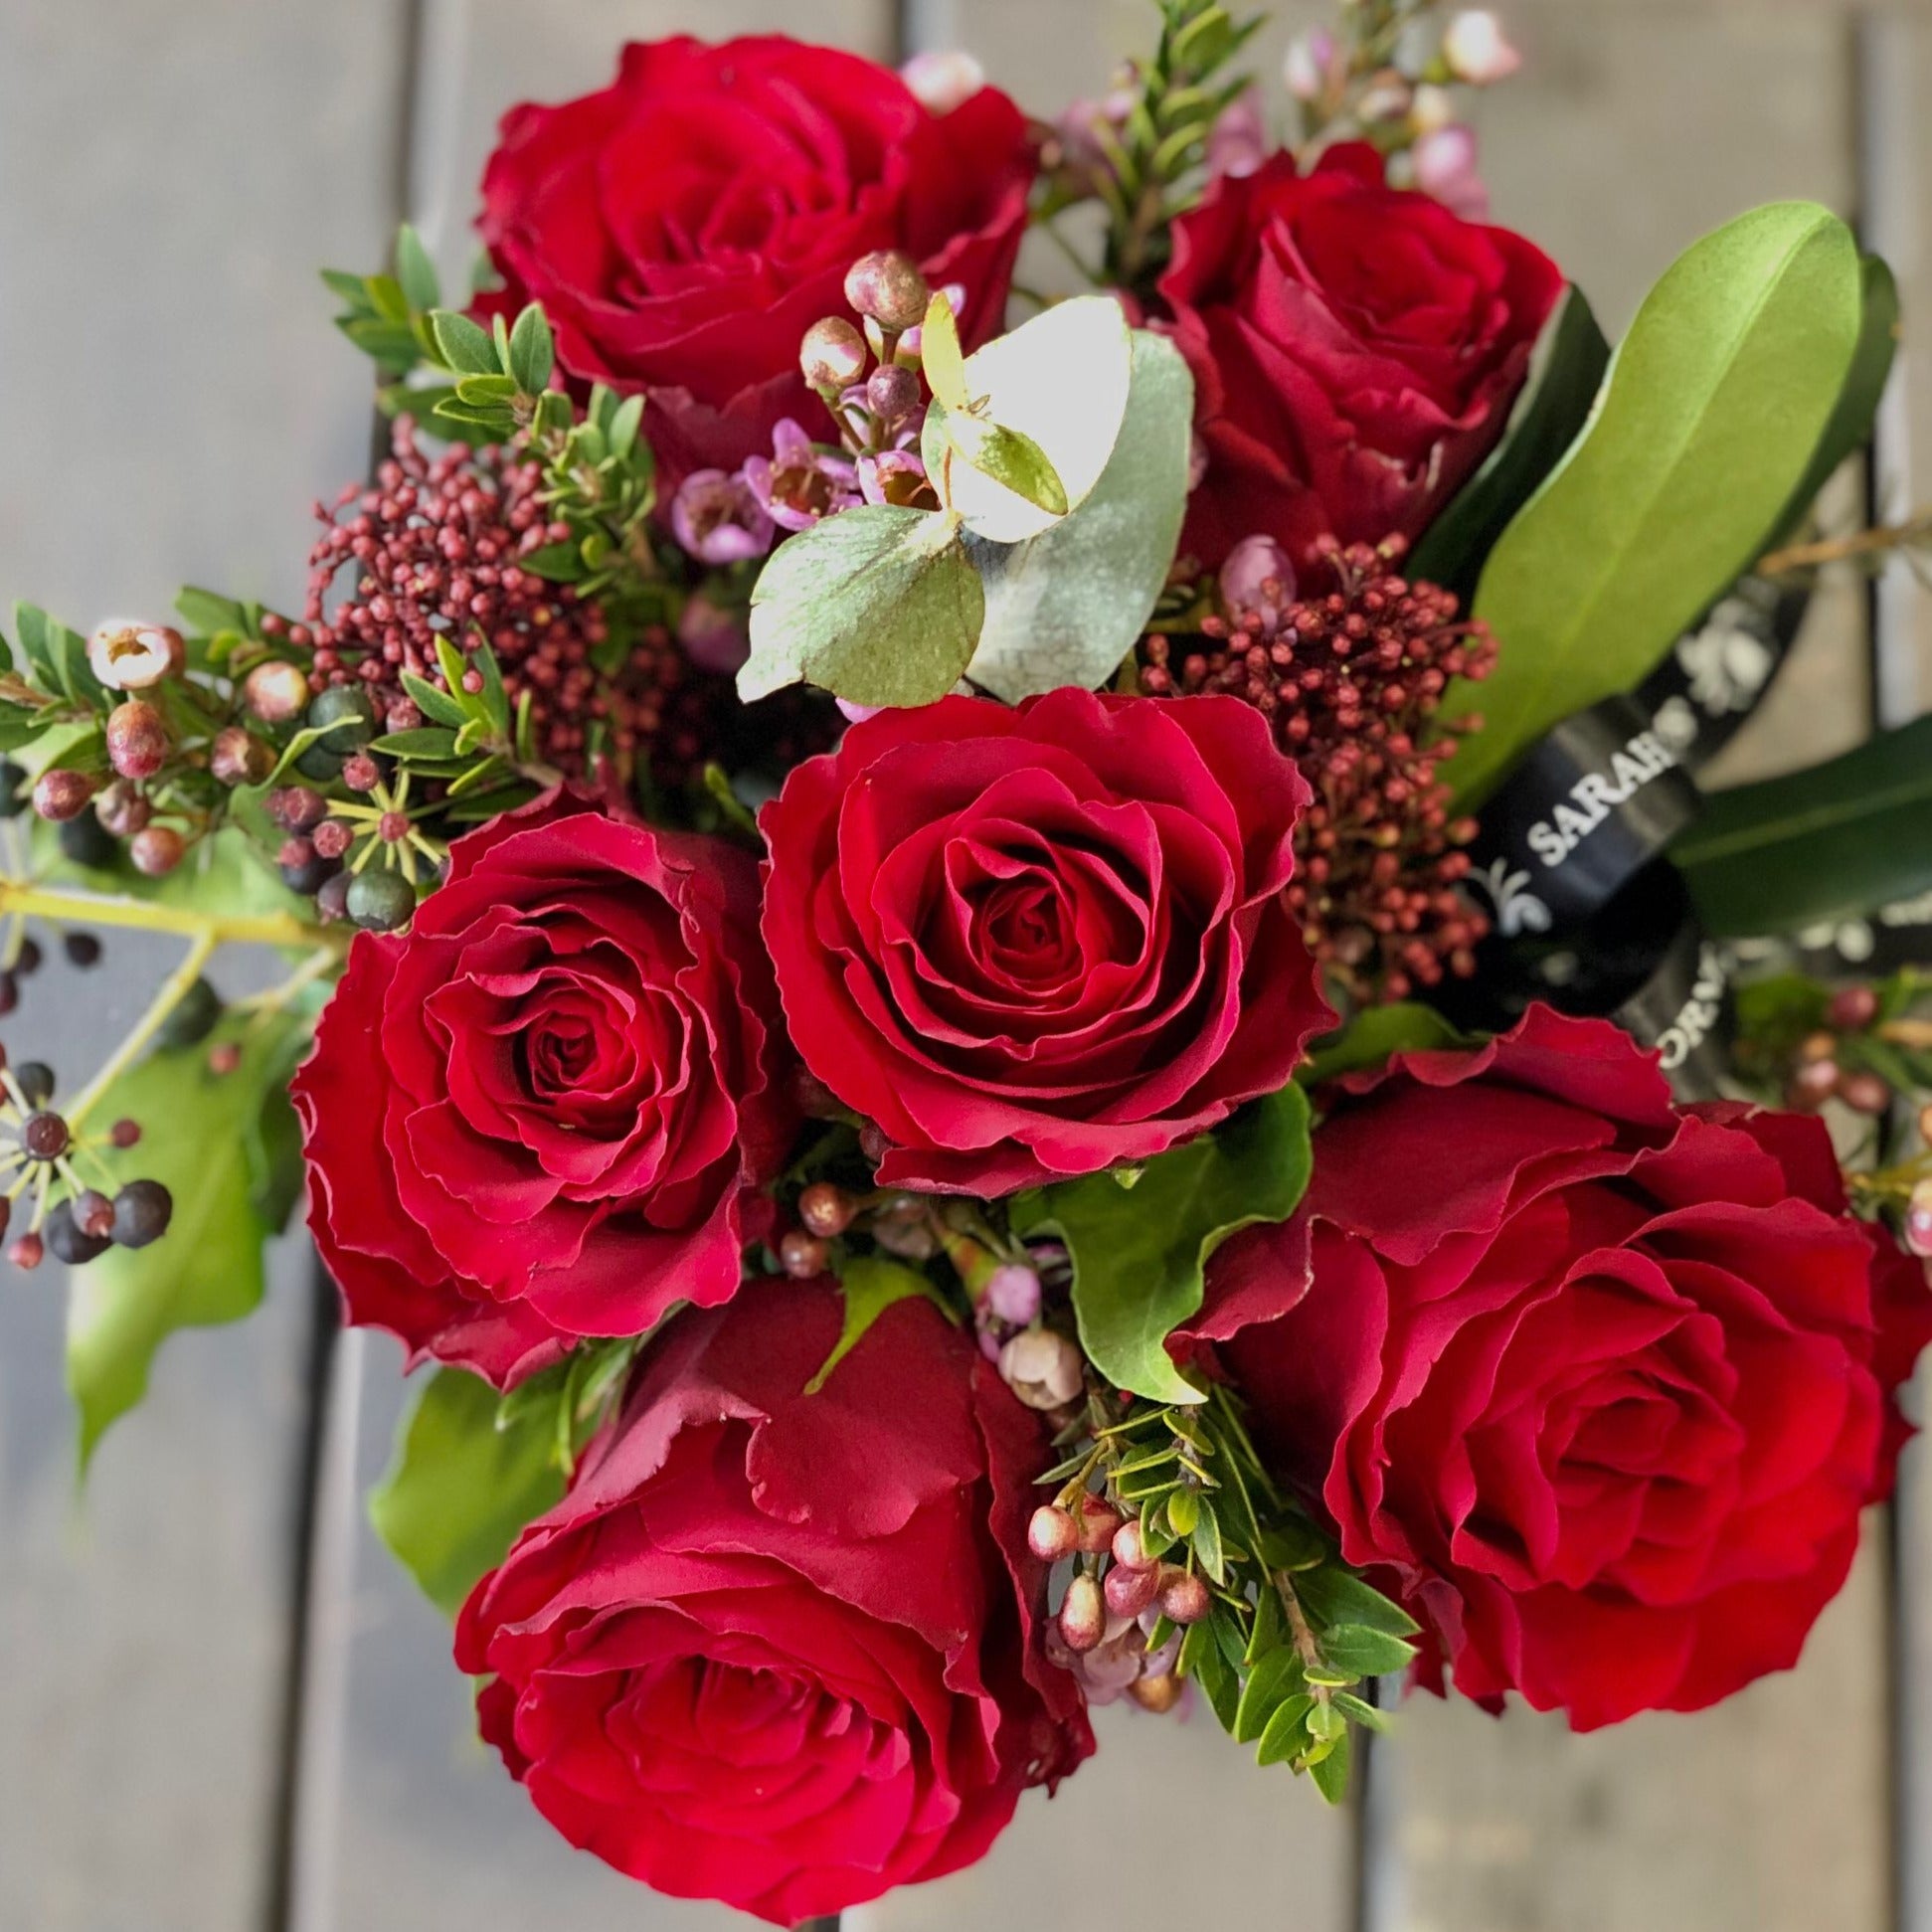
(208, 1268)
(1364, 1652)
(1371, 1037)
(1272, 1682)
(1286, 1732)
(877, 605)
(870, 1285)
(1138, 1253)
(532, 350)
(465, 347)
(1565, 378)
(1712, 409)
(1330, 1772)
(1837, 841)
(1335, 1595)
(415, 274)
(1067, 607)
(458, 1488)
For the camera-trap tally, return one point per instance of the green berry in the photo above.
(380, 902)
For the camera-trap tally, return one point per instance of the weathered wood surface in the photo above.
(166, 173)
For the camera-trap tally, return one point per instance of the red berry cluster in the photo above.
(437, 548)
(1349, 682)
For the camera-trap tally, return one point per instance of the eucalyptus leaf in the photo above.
(1066, 606)
(1062, 381)
(1834, 841)
(459, 1487)
(1015, 461)
(1137, 1255)
(1712, 409)
(1565, 377)
(877, 605)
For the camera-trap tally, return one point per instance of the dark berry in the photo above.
(193, 1018)
(36, 1080)
(295, 807)
(320, 763)
(302, 867)
(69, 1241)
(29, 957)
(332, 899)
(86, 842)
(142, 1210)
(44, 1136)
(380, 902)
(12, 799)
(9, 993)
(94, 1214)
(82, 949)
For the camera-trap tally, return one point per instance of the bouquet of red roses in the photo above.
(1024, 986)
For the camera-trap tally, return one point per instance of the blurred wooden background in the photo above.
(221, 1708)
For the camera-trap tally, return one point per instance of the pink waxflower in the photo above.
(718, 518)
(1446, 169)
(799, 483)
(1478, 50)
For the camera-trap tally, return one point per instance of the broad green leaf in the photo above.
(940, 355)
(1061, 380)
(1367, 1652)
(871, 1284)
(877, 605)
(1712, 409)
(208, 611)
(1336, 1595)
(1273, 1680)
(1564, 380)
(1067, 607)
(1137, 1254)
(1834, 841)
(532, 350)
(1286, 1731)
(1371, 1037)
(208, 1268)
(458, 1488)
(1015, 461)
(465, 348)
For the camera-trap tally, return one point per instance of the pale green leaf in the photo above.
(1009, 458)
(1712, 409)
(877, 605)
(940, 355)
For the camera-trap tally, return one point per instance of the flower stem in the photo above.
(101, 909)
(173, 990)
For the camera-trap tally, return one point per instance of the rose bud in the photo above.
(1099, 1522)
(1083, 1614)
(131, 656)
(1128, 1592)
(123, 811)
(156, 850)
(238, 758)
(60, 795)
(886, 288)
(1130, 1548)
(1183, 1596)
(1042, 1368)
(1052, 1533)
(832, 356)
(137, 739)
(826, 1209)
(275, 692)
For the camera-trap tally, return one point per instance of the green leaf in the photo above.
(209, 612)
(1061, 380)
(1714, 405)
(58, 657)
(1334, 1595)
(433, 702)
(1015, 461)
(877, 605)
(1371, 1037)
(415, 274)
(1137, 1256)
(1364, 1652)
(1833, 842)
(1330, 1771)
(941, 357)
(465, 347)
(533, 353)
(458, 1488)
(871, 1284)
(1564, 380)
(1363, 1713)
(1857, 404)
(1067, 607)
(427, 740)
(1286, 1732)
(1273, 1680)
(208, 1268)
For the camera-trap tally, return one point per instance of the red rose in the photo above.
(687, 225)
(778, 1649)
(541, 1114)
(1030, 942)
(1356, 349)
(1601, 1385)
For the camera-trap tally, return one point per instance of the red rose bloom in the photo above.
(1030, 942)
(687, 225)
(1601, 1386)
(541, 1114)
(1355, 350)
(778, 1649)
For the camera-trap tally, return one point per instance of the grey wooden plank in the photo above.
(176, 404)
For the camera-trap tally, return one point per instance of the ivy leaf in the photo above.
(459, 1487)
(208, 1268)
(1138, 1253)
(1067, 607)
(877, 605)
(1829, 842)
(1062, 381)
(871, 1284)
(1565, 377)
(1372, 1036)
(1713, 408)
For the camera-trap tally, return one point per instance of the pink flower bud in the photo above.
(61, 794)
(123, 811)
(1257, 584)
(131, 656)
(157, 850)
(887, 287)
(833, 354)
(1042, 1368)
(239, 758)
(1082, 1616)
(1183, 1596)
(1130, 1550)
(1445, 167)
(1098, 1520)
(1310, 56)
(1476, 49)
(1013, 1293)
(137, 739)
(941, 81)
(275, 692)
(1128, 1592)
(1052, 1533)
